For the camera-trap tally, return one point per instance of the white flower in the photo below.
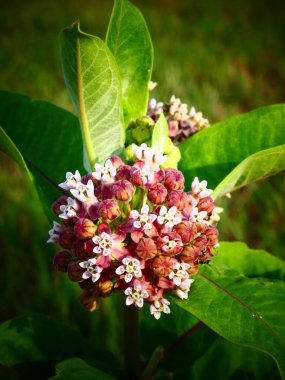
(103, 244)
(155, 108)
(149, 155)
(168, 217)
(215, 217)
(71, 180)
(184, 288)
(92, 270)
(143, 219)
(135, 295)
(158, 307)
(177, 109)
(196, 216)
(179, 273)
(69, 210)
(54, 233)
(105, 173)
(84, 193)
(131, 268)
(170, 244)
(200, 188)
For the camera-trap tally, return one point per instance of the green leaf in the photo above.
(7, 146)
(214, 152)
(92, 78)
(160, 134)
(255, 167)
(78, 369)
(47, 137)
(129, 40)
(246, 311)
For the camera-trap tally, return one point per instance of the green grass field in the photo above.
(222, 57)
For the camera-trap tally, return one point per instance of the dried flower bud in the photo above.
(89, 300)
(123, 190)
(59, 202)
(109, 209)
(84, 229)
(187, 231)
(66, 238)
(162, 265)
(146, 249)
(178, 199)
(61, 260)
(206, 204)
(173, 179)
(75, 272)
(157, 194)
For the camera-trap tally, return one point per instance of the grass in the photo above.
(224, 58)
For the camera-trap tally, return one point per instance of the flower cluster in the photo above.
(133, 229)
(181, 123)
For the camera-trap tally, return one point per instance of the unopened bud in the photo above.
(109, 209)
(117, 161)
(206, 204)
(78, 248)
(66, 238)
(124, 172)
(61, 260)
(59, 202)
(162, 265)
(104, 288)
(123, 190)
(178, 199)
(187, 231)
(146, 249)
(173, 179)
(157, 194)
(75, 272)
(189, 254)
(89, 300)
(84, 229)
(212, 236)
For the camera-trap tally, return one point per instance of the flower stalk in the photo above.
(132, 342)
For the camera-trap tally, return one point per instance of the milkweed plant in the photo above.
(130, 186)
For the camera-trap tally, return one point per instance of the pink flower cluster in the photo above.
(133, 229)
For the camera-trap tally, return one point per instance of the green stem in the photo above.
(152, 364)
(143, 197)
(132, 347)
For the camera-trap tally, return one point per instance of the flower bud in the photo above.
(88, 177)
(170, 244)
(75, 271)
(173, 179)
(61, 260)
(212, 236)
(59, 202)
(178, 199)
(66, 238)
(194, 268)
(109, 209)
(84, 229)
(123, 190)
(78, 249)
(162, 265)
(104, 288)
(124, 172)
(189, 254)
(146, 249)
(187, 231)
(157, 194)
(206, 204)
(89, 300)
(141, 134)
(116, 161)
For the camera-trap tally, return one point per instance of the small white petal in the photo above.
(129, 300)
(86, 275)
(128, 277)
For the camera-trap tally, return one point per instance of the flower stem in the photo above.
(131, 340)
(151, 366)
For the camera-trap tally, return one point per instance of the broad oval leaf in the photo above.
(246, 311)
(92, 78)
(214, 152)
(47, 137)
(160, 134)
(255, 167)
(78, 369)
(129, 40)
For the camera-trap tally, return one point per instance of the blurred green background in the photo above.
(222, 57)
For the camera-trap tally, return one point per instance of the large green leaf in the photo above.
(255, 167)
(92, 78)
(246, 311)
(47, 137)
(78, 369)
(129, 40)
(214, 152)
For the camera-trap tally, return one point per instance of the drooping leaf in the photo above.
(214, 152)
(47, 137)
(255, 167)
(129, 40)
(246, 311)
(78, 369)
(92, 78)
(160, 134)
